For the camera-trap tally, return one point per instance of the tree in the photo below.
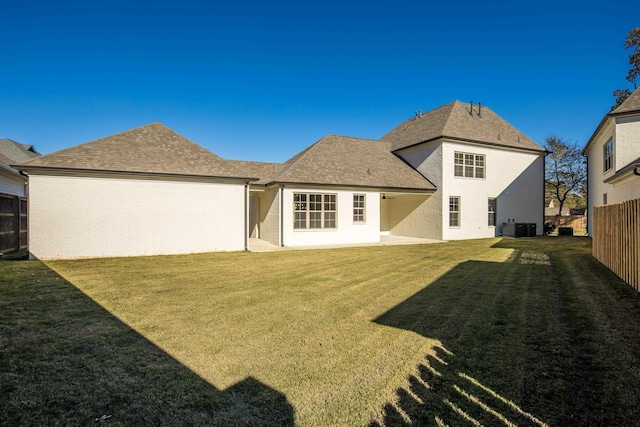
(632, 41)
(566, 169)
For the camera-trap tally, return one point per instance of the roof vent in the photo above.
(418, 114)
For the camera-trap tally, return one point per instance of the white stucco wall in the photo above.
(626, 148)
(346, 232)
(514, 178)
(11, 184)
(425, 219)
(74, 217)
(626, 141)
(270, 216)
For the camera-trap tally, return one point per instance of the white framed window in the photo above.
(469, 165)
(314, 211)
(359, 208)
(607, 156)
(454, 211)
(492, 211)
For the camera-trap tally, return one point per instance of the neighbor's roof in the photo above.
(631, 105)
(4, 166)
(350, 162)
(458, 120)
(150, 149)
(17, 152)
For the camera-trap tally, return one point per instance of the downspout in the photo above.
(281, 214)
(246, 216)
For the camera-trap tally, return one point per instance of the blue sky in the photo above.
(262, 80)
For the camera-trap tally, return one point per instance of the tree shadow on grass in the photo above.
(64, 360)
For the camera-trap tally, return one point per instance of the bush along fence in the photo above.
(13, 223)
(616, 239)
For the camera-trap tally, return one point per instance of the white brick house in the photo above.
(613, 157)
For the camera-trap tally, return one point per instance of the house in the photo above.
(457, 172)
(146, 191)
(11, 181)
(486, 171)
(613, 157)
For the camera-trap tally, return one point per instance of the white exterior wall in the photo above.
(75, 217)
(425, 219)
(626, 141)
(626, 148)
(13, 185)
(346, 231)
(515, 179)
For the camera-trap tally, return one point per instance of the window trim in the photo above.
(492, 214)
(362, 208)
(467, 165)
(458, 203)
(304, 205)
(607, 156)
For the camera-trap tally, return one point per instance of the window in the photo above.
(607, 155)
(604, 199)
(492, 212)
(454, 211)
(469, 165)
(358, 208)
(314, 210)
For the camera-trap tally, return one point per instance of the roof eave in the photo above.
(353, 186)
(59, 171)
(473, 141)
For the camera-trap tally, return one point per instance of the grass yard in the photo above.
(491, 332)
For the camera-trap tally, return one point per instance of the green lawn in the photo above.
(491, 332)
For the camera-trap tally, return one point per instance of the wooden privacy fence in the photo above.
(616, 235)
(578, 222)
(13, 223)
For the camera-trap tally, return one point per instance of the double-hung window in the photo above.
(469, 165)
(454, 211)
(607, 156)
(359, 208)
(314, 211)
(492, 212)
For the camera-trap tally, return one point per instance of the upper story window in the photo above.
(469, 165)
(607, 156)
(314, 211)
(359, 208)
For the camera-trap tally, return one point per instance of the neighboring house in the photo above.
(457, 172)
(550, 209)
(613, 157)
(11, 152)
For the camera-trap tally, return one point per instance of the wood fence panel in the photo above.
(13, 223)
(616, 239)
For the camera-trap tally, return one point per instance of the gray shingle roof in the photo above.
(17, 152)
(458, 120)
(346, 161)
(266, 172)
(151, 149)
(630, 105)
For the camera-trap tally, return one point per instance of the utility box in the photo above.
(519, 229)
(565, 231)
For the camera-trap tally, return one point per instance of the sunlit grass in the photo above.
(492, 331)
